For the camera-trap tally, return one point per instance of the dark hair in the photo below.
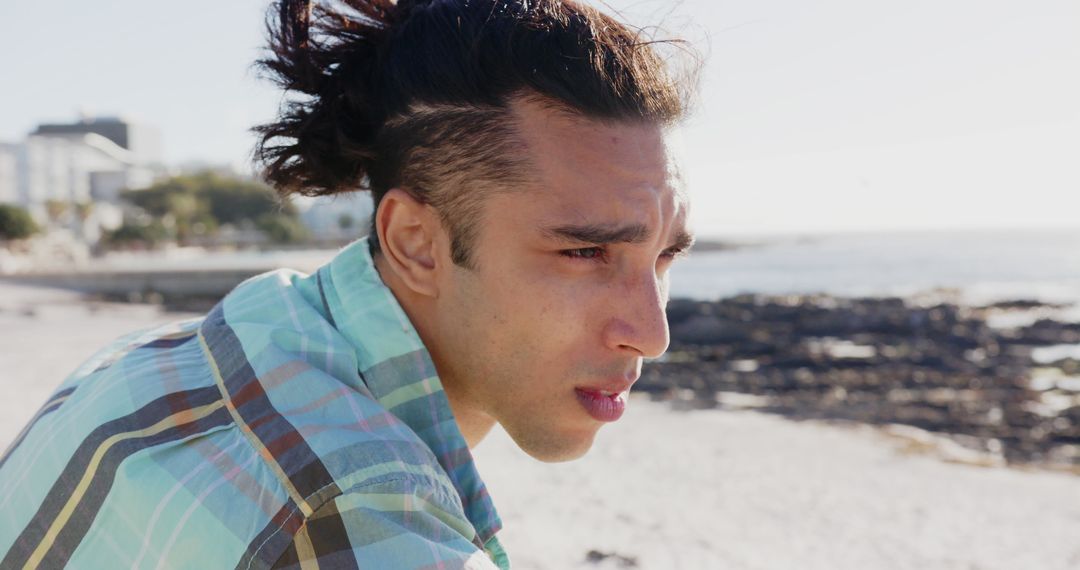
(416, 94)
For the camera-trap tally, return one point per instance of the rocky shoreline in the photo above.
(969, 373)
(663, 489)
(938, 366)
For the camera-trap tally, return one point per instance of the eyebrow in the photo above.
(599, 234)
(604, 234)
(684, 240)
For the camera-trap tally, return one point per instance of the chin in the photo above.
(550, 448)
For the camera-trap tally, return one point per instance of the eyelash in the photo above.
(675, 253)
(600, 254)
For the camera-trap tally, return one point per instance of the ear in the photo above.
(409, 236)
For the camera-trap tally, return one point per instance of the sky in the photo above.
(813, 115)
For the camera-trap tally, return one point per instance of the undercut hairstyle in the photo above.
(416, 95)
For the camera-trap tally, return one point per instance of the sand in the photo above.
(667, 490)
(721, 489)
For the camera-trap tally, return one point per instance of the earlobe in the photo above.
(409, 233)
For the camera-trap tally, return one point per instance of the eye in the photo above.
(673, 253)
(585, 253)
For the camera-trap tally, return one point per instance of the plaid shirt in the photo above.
(300, 424)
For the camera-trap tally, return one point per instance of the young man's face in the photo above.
(569, 283)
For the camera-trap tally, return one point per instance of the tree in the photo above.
(233, 200)
(197, 205)
(84, 210)
(281, 228)
(57, 210)
(148, 234)
(16, 223)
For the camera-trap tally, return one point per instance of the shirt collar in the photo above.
(399, 372)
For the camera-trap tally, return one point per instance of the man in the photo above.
(528, 209)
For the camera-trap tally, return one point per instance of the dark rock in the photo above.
(874, 360)
(595, 557)
(1023, 305)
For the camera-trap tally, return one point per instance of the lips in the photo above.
(612, 386)
(602, 405)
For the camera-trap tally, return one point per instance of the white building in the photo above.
(71, 175)
(141, 141)
(76, 168)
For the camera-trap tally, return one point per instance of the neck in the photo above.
(473, 423)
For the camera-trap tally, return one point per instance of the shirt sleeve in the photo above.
(394, 524)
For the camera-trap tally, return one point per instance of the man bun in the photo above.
(416, 94)
(321, 142)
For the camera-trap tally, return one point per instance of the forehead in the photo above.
(618, 171)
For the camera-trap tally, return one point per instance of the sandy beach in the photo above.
(666, 489)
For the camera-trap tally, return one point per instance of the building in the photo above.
(141, 141)
(71, 175)
(76, 168)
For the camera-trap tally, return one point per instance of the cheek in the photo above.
(565, 322)
(532, 315)
(537, 325)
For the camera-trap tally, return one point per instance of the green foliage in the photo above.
(57, 210)
(197, 205)
(281, 228)
(244, 201)
(150, 234)
(84, 210)
(16, 223)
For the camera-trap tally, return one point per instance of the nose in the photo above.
(639, 319)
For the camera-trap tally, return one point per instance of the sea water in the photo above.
(985, 266)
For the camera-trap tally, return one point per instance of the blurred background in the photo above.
(875, 357)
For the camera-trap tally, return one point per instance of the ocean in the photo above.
(975, 266)
(982, 266)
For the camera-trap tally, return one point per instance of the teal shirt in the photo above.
(300, 424)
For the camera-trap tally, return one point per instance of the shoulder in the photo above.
(348, 464)
(171, 336)
(397, 521)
